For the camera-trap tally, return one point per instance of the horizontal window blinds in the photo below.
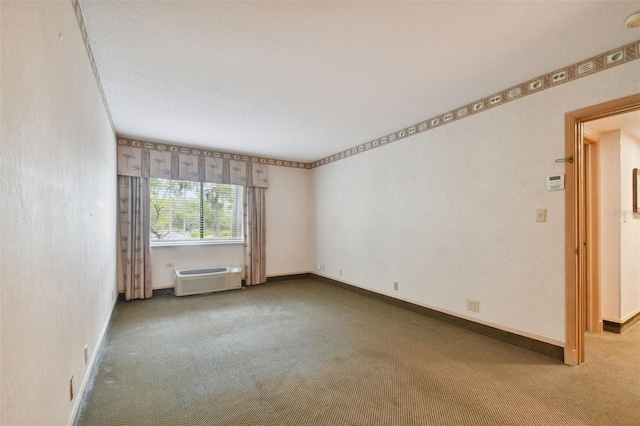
(195, 211)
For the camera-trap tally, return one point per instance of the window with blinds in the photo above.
(195, 212)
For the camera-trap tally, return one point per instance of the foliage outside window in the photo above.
(184, 211)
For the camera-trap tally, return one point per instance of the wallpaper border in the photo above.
(206, 152)
(92, 59)
(627, 53)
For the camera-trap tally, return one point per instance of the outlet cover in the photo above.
(395, 285)
(473, 305)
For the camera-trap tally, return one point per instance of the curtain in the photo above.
(137, 162)
(133, 194)
(187, 165)
(254, 233)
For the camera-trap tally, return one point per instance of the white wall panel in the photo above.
(58, 213)
(449, 214)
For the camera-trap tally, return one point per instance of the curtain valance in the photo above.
(154, 163)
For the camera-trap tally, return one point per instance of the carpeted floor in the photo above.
(309, 353)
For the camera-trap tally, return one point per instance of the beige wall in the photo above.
(620, 230)
(58, 213)
(288, 219)
(610, 220)
(449, 214)
(165, 259)
(289, 214)
(629, 230)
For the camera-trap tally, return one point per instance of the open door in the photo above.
(577, 220)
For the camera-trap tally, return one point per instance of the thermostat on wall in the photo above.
(555, 182)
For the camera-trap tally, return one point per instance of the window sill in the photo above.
(195, 243)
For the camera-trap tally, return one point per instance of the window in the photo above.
(194, 212)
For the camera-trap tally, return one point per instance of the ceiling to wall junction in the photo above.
(303, 80)
(628, 122)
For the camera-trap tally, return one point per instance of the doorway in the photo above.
(581, 214)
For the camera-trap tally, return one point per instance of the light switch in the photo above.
(541, 215)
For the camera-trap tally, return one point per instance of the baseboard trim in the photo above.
(619, 328)
(289, 277)
(91, 367)
(544, 348)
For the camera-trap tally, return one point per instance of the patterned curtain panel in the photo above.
(137, 163)
(188, 166)
(129, 161)
(255, 234)
(215, 170)
(238, 173)
(133, 194)
(145, 162)
(159, 164)
(259, 175)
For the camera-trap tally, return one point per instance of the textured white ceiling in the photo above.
(303, 80)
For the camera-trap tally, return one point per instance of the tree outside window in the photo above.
(195, 211)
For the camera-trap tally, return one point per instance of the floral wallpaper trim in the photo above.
(92, 59)
(209, 153)
(612, 58)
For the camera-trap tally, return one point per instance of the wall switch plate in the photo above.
(473, 305)
(541, 215)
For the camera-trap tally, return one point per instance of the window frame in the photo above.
(239, 201)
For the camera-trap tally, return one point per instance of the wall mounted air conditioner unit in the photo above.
(206, 280)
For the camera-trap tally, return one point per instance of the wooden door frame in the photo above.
(575, 223)
(593, 315)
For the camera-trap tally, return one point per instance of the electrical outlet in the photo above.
(473, 305)
(541, 215)
(340, 272)
(86, 354)
(71, 389)
(395, 285)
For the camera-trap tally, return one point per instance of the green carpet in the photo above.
(307, 353)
